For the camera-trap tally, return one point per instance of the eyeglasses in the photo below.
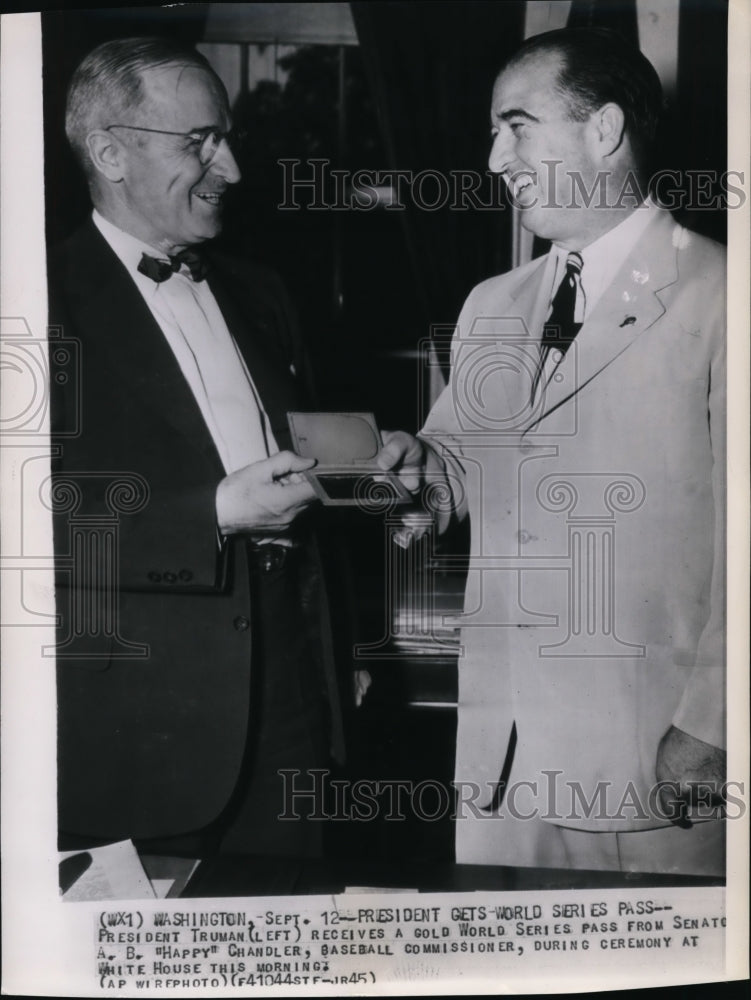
(206, 142)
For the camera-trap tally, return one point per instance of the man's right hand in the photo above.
(406, 455)
(264, 496)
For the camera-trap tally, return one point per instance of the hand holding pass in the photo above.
(405, 455)
(266, 495)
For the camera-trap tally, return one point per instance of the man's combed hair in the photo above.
(599, 67)
(108, 84)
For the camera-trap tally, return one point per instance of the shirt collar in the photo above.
(603, 258)
(127, 247)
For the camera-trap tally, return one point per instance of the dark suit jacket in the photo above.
(151, 745)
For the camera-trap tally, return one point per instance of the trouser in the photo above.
(288, 723)
(287, 728)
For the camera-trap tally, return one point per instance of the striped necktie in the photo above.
(560, 328)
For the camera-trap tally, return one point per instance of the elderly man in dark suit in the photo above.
(216, 671)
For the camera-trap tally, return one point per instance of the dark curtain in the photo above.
(697, 132)
(618, 15)
(692, 138)
(431, 68)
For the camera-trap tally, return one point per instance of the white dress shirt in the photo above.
(192, 323)
(601, 261)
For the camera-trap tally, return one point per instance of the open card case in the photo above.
(345, 446)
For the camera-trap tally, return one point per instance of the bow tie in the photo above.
(160, 270)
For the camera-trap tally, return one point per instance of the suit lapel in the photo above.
(528, 304)
(134, 342)
(140, 353)
(518, 327)
(626, 310)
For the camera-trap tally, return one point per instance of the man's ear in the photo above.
(107, 154)
(608, 129)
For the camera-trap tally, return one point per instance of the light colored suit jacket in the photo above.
(594, 610)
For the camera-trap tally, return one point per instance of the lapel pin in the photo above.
(640, 277)
(628, 320)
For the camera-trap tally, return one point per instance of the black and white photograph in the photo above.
(374, 445)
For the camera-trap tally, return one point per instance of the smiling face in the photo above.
(167, 197)
(538, 148)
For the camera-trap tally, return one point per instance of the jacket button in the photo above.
(185, 575)
(241, 623)
(170, 578)
(154, 576)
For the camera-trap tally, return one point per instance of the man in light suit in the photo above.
(582, 432)
(194, 658)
